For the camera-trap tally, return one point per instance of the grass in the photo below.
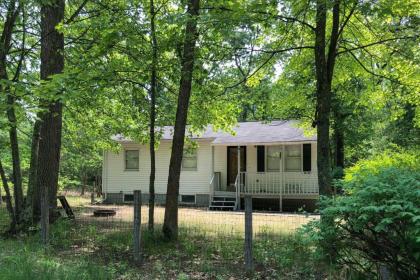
(101, 249)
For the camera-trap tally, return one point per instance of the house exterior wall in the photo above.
(117, 181)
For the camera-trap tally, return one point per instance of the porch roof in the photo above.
(245, 133)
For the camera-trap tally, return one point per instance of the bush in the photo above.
(377, 222)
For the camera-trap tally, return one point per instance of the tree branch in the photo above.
(375, 43)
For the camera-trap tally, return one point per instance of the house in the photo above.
(275, 162)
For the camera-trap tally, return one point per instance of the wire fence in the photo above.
(199, 221)
(208, 240)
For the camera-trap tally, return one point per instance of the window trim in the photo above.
(196, 161)
(266, 158)
(300, 157)
(125, 160)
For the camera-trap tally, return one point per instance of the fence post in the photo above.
(45, 215)
(249, 266)
(137, 226)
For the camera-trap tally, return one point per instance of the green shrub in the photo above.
(407, 160)
(377, 222)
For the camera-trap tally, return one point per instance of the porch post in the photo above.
(238, 190)
(239, 162)
(283, 168)
(212, 190)
(212, 161)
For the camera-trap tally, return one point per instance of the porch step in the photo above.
(226, 203)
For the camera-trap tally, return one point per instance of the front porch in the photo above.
(266, 185)
(275, 171)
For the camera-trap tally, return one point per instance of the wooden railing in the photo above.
(278, 183)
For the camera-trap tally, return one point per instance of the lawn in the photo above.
(210, 246)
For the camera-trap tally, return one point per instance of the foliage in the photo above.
(377, 222)
(407, 160)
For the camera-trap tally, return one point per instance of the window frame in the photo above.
(267, 169)
(286, 157)
(195, 150)
(125, 160)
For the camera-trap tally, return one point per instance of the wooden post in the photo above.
(137, 226)
(45, 215)
(249, 265)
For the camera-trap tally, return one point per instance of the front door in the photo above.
(232, 165)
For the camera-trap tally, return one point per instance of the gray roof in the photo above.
(245, 133)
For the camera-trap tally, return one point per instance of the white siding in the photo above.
(116, 179)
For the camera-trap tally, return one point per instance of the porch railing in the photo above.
(271, 183)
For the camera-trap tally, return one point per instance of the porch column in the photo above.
(283, 168)
(212, 189)
(239, 162)
(212, 161)
(238, 187)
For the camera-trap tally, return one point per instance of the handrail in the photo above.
(278, 183)
(211, 188)
(237, 189)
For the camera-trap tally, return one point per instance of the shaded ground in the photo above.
(91, 248)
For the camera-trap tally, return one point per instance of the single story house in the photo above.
(274, 162)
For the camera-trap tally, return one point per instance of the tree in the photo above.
(52, 62)
(12, 12)
(153, 90)
(170, 225)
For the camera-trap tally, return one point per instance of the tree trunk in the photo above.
(14, 144)
(84, 183)
(324, 73)
(33, 196)
(5, 44)
(8, 200)
(170, 225)
(153, 86)
(52, 62)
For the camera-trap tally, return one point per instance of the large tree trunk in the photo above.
(52, 62)
(324, 73)
(153, 86)
(170, 225)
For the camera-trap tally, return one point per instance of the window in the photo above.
(128, 197)
(260, 158)
(273, 158)
(189, 159)
(307, 158)
(190, 199)
(293, 158)
(131, 159)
